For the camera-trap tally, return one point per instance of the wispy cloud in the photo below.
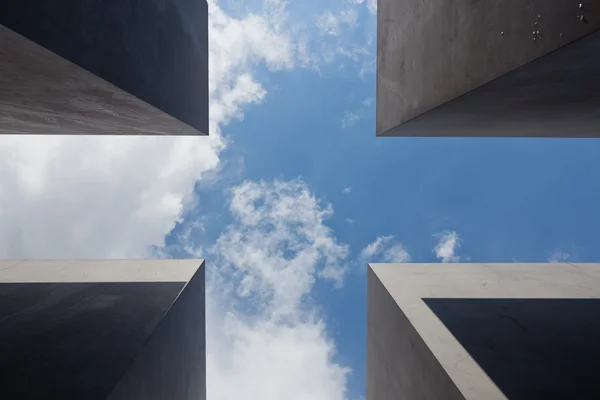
(384, 249)
(558, 256)
(347, 34)
(445, 250)
(352, 117)
(334, 24)
(372, 6)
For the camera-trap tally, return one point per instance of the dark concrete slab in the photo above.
(75, 340)
(531, 348)
(172, 364)
(433, 51)
(157, 50)
(108, 329)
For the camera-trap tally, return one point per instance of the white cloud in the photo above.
(68, 197)
(558, 256)
(446, 248)
(372, 6)
(118, 196)
(347, 190)
(270, 257)
(384, 249)
(333, 24)
(350, 119)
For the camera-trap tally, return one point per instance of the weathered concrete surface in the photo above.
(404, 334)
(42, 93)
(399, 364)
(86, 332)
(430, 52)
(156, 50)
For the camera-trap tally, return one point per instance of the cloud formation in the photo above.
(558, 256)
(333, 24)
(384, 249)
(448, 243)
(119, 196)
(264, 339)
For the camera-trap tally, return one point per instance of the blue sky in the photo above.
(487, 200)
(482, 200)
(293, 194)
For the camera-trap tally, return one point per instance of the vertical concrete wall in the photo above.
(44, 94)
(172, 364)
(432, 51)
(399, 364)
(156, 50)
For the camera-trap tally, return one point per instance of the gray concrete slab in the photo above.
(44, 94)
(459, 328)
(432, 52)
(83, 338)
(111, 270)
(155, 50)
(172, 364)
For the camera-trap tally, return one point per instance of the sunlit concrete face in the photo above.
(102, 329)
(483, 331)
(130, 67)
(503, 68)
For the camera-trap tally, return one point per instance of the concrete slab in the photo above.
(154, 50)
(96, 336)
(433, 52)
(483, 331)
(44, 94)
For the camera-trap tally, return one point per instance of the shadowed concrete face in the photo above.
(530, 348)
(483, 331)
(154, 54)
(88, 334)
(431, 53)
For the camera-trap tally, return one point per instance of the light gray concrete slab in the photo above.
(431, 52)
(399, 363)
(48, 271)
(42, 93)
(404, 332)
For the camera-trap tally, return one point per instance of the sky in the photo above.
(292, 195)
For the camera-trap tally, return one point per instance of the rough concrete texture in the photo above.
(156, 50)
(417, 347)
(93, 335)
(430, 52)
(42, 93)
(554, 96)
